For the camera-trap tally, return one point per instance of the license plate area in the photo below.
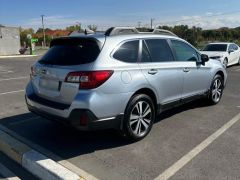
(49, 84)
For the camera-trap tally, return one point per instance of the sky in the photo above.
(207, 14)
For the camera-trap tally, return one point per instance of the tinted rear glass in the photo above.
(67, 52)
(127, 52)
(215, 47)
(159, 50)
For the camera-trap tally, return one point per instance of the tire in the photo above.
(138, 118)
(239, 61)
(225, 62)
(216, 90)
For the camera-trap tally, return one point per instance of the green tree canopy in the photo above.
(74, 28)
(92, 27)
(24, 33)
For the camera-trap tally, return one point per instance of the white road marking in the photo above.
(18, 56)
(238, 106)
(23, 77)
(7, 173)
(46, 168)
(23, 121)
(195, 151)
(6, 72)
(12, 92)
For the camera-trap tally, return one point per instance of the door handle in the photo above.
(186, 70)
(153, 71)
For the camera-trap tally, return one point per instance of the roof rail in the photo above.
(132, 30)
(121, 31)
(163, 32)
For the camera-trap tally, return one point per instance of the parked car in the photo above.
(227, 53)
(120, 80)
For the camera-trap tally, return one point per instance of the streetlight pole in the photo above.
(44, 38)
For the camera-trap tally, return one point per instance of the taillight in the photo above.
(89, 79)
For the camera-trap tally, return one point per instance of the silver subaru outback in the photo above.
(121, 79)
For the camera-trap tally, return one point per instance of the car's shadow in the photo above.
(69, 143)
(185, 107)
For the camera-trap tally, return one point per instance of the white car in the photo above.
(227, 53)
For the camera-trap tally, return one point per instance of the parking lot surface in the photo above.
(105, 155)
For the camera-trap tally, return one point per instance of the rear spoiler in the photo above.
(74, 41)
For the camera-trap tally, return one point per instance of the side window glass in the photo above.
(231, 47)
(184, 52)
(145, 54)
(159, 50)
(235, 47)
(127, 52)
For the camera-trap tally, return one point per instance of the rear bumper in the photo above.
(81, 119)
(75, 116)
(96, 109)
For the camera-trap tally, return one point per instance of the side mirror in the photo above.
(204, 58)
(230, 51)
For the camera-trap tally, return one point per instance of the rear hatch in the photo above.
(70, 54)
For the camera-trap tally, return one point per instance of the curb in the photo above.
(18, 56)
(33, 161)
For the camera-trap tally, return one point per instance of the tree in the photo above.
(74, 28)
(144, 29)
(40, 30)
(166, 28)
(47, 38)
(194, 35)
(92, 27)
(24, 33)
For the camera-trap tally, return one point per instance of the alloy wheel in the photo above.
(140, 118)
(217, 90)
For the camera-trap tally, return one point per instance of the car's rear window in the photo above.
(128, 52)
(67, 52)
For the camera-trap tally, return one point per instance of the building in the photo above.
(9, 40)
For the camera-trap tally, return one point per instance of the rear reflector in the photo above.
(83, 120)
(89, 79)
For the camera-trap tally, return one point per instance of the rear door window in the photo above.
(128, 52)
(159, 50)
(67, 52)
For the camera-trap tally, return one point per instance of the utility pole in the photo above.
(44, 38)
(152, 19)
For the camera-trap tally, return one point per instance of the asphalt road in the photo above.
(107, 156)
